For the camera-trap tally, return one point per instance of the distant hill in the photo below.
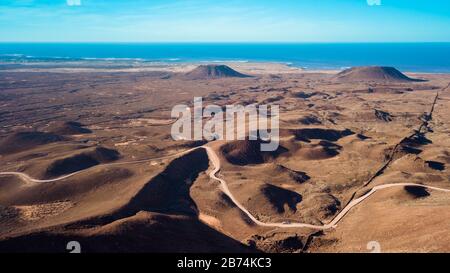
(245, 152)
(68, 128)
(373, 73)
(26, 140)
(81, 161)
(204, 72)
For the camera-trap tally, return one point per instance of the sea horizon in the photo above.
(426, 57)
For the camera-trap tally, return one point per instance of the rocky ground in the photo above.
(341, 135)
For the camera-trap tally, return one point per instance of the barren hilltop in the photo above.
(213, 71)
(373, 73)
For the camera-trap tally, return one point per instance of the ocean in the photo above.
(408, 57)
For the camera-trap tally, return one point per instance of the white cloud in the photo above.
(74, 2)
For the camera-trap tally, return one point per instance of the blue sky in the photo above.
(224, 21)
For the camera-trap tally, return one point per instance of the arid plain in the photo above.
(87, 156)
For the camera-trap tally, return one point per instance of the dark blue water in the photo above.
(419, 57)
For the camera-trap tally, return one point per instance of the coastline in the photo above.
(256, 68)
(258, 57)
(247, 67)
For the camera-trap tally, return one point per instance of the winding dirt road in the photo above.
(25, 177)
(29, 179)
(224, 187)
(213, 157)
